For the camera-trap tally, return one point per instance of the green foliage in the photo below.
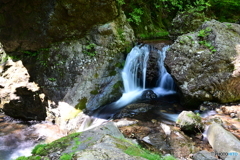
(204, 32)
(121, 34)
(29, 53)
(34, 53)
(135, 16)
(183, 5)
(90, 49)
(52, 79)
(226, 10)
(30, 158)
(120, 2)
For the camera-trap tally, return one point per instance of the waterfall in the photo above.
(136, 62)
(134, 81)
(165, 83)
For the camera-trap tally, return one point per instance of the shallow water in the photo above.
(18, 138)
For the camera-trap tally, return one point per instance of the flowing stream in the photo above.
(20, 139)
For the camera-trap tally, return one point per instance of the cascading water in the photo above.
(165, 84)
(134, 80)
(136, 62)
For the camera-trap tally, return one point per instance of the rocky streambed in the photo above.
(190, 138)
(147, 128)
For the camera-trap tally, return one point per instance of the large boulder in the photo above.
(205, 63)
(85, 73)
(102, 142)
(30, 25)
(19, 97)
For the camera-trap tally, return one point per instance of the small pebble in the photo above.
(232, 115)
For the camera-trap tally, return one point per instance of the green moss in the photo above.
(82, 104)
(58, 145)
(31, 158)
(96, 75)
(122, 147)
(112, 73)
(197, 118)
(119, 65)
(22, 158)
(120, 33)
(141, 152)
(94, 92)
(66, 156)
(38, 148)
(118, 85)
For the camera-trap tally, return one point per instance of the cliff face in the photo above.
(73, 50)
(30, 25)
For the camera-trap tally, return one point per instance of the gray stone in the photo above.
(189, 122)
(205, 63)
(221, 140)
(204, 155)
(185, 22)
(102, 142)
(86, 71)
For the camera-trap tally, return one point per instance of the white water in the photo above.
(165, 84)
(136, 62)
(134, 85)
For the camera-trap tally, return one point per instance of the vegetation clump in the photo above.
(82, 104)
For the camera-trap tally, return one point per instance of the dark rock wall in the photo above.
(30, 25)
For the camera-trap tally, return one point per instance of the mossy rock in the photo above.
(81, 104)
